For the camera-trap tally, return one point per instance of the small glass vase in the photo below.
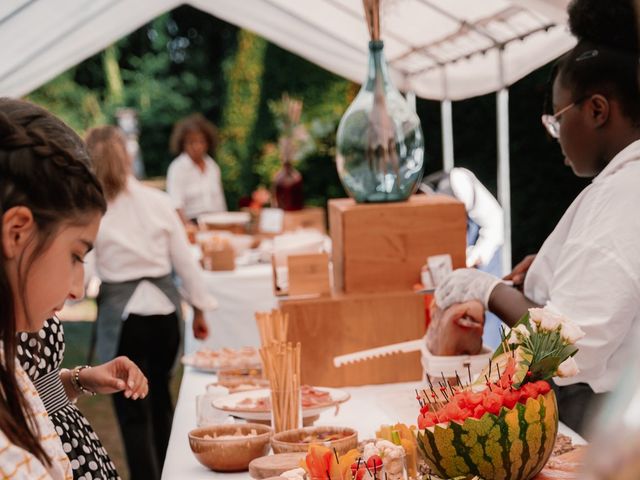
(285, 419)
(287, 188)
(380, 147)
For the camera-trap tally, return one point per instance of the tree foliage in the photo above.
(243, 76)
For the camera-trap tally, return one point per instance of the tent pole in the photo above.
(504, 188)
(446, 120)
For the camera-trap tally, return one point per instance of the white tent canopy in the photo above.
(423, 38)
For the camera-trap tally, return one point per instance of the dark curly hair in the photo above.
(610, 23)
(44, 166)
(605, 59)
(193, 123)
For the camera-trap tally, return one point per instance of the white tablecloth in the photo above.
(240, 294)
(369, 407)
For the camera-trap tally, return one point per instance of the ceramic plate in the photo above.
(209, 363)
(229, 403)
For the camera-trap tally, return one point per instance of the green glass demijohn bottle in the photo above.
(380, 147)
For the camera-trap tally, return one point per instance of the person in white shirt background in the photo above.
(485, 229)
(589, 266)
(193, 179)
(140, 242)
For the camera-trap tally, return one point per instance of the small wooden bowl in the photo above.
(229, 454)
(291, 440)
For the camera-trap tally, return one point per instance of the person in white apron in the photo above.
(140, 243)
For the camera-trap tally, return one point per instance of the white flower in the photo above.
(534, 325)
(536, 314)
(524, 331)
(568, 368)
(570, 332)
(546, 318)
(518, 334)
(551, 321)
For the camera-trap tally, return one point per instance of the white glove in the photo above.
(463, 285)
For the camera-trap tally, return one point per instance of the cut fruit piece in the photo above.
(508, 366)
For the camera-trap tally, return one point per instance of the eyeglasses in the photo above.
(552, 122)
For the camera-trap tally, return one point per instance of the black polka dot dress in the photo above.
(40, 355)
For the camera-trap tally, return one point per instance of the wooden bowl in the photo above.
(293, 440)
(229, 454)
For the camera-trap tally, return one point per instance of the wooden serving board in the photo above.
(273, 465)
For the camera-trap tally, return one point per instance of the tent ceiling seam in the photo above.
(453, 18)
(17, 11)
(465, 28)
(26, 61)
(309, 24)
(500, 47)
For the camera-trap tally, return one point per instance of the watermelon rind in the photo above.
(513, 445)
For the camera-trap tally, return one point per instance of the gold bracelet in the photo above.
(75, 380)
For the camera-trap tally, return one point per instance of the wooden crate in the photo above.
(340, 324)
(308, 217)
(379, 247)
(308, 274)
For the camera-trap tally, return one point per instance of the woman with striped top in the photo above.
(40, 355)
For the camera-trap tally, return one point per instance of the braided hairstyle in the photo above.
(44, 167)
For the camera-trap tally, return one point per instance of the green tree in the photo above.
(244, 83)
(77, 105)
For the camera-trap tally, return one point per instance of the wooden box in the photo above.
(379, 247)
(218, 256)
(309, 217)
(341, 324)
(308, 274)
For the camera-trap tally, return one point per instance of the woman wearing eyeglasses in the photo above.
(589, 267)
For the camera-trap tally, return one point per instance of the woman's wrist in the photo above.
(76, 382)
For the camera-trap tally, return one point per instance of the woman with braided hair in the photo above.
(50, 206)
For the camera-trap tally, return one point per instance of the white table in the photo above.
(368, 408)
(240, 294)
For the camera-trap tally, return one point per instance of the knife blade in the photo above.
(362, 355)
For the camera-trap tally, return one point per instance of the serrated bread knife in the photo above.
(403, 347)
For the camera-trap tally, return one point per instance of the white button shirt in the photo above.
(142, 236)
(194, 191)
(589, 269)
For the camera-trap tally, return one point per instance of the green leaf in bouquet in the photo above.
(524, 320)
(567, 351)
(545, 368)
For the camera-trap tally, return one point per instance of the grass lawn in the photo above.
(99, 409)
